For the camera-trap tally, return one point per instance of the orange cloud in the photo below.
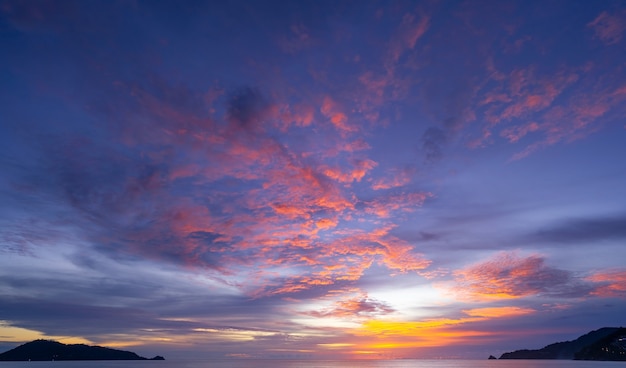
(611, 283)
(326, 223)
(338, 118)
(388, 334)
(344, 259)
(361, 168)
(290, 211)
(398, 179)
(499, 312)
(269, 212)
(379, 333)
(360, 306)
(397, 335)
(396, 254)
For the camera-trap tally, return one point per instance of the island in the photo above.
(608, 344)
(41, 350)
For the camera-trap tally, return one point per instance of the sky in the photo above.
(312, 179)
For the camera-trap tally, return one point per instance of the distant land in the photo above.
(40, 350)
(608, 343)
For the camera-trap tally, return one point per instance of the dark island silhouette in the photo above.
(40, 350)
(608, 343)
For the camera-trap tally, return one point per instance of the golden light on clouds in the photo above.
(498, 312)
(17, 334)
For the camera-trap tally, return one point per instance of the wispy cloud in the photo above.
(609, 27)
(497, 312)
(360, 306)
(609, 283)
(584, 230)
(509, 276)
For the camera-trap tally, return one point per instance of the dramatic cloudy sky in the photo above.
(343, 179)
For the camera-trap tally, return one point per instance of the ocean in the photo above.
(400, 363)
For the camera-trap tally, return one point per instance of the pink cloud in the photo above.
(294, 204)
(337, 117)
(384, 206)
(301, 115)
(360, 306)
(609, 283)
(620, 91)
(580, 116)
(561, 107)
(360, 169)
(396, 179)
(375, 84)
(609, 28)
(529, 94)
(492, 97)
(297, 39)
(515, 133)
(396, 254)
(289, 211)
(265, 211)
(410, 30)
(357, 145)
(345, 259)
(381, 86)
(326, 223)
(508, 276)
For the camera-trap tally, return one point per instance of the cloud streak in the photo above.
(508, 276)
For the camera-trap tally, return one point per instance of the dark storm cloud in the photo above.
(584, 230)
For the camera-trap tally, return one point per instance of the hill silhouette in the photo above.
(611, 347)
(591, 346)
(40, 350)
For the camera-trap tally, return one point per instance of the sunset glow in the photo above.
(312, 179)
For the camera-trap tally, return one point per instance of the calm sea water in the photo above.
(404, 363)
